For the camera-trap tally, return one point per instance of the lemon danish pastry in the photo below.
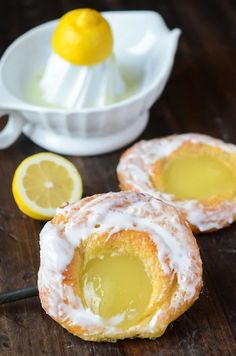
(193, 172)
(118, 265)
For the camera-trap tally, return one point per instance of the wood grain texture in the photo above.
(200, 97)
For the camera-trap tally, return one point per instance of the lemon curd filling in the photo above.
(196, 175)
(116, 285)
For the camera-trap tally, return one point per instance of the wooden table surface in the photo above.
(200, 97)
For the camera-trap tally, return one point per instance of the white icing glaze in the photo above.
(115, 212)
(135, 168)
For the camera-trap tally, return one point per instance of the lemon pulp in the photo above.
(197, 177)
(116, 284)
(48, 184)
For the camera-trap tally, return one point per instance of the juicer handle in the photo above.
(10, 133)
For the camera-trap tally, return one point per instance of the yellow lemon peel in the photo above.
(83, 37)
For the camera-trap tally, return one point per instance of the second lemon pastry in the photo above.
(193, 172)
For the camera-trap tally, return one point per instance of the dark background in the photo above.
(200, 97)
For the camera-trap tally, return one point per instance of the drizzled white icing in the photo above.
(113, 212)
(135, 168)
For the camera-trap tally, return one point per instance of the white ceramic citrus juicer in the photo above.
(87, 107)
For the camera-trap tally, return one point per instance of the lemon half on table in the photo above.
(42, 182)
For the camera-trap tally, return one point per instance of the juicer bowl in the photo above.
(144, 49)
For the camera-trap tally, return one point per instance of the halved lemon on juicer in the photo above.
(82, 70)
(83, 37)
(193, 172)
(42, 182)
